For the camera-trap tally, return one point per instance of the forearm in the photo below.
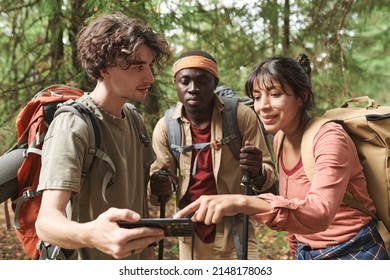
(251, 205)
(54, 228)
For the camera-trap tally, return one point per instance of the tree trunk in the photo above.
(286, 27)
(56, 30)
(78, 16)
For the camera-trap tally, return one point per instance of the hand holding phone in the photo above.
(171, 227)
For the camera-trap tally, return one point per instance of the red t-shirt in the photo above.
(203, 182)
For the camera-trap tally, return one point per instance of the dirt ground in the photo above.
(272, 245)
(10, 247)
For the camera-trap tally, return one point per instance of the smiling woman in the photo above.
(310, 209)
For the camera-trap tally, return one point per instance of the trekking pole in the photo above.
(246, 182)
(163, 199)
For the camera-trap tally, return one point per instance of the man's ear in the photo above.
(104, 74)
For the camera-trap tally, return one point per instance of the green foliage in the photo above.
(370, 68)
(345, 40)
(272, 244)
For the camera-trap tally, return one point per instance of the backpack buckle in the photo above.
(216, 144)
(30, 193)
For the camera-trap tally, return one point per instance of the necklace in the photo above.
(107, 113)
(111, 115)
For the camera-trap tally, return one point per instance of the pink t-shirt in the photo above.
(312, 211)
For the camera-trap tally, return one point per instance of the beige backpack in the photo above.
(369, 128)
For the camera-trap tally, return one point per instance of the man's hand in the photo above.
(160, 184)
(119, 242)
(251, 159)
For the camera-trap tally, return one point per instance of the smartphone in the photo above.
(171, 227)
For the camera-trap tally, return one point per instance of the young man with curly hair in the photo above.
(119, 53)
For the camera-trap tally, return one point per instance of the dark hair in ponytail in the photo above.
(294, 72)
(304, 61)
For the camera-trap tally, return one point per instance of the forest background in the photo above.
(347, 42)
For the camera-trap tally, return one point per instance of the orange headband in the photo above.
(195, 62)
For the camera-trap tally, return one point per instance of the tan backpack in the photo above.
(369, 128)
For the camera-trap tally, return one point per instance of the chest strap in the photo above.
(216, 145)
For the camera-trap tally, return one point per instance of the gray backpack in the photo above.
(231, 133)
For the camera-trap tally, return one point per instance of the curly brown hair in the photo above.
(115, 40)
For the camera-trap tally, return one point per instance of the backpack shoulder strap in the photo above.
(83, 112)
(278, 143)
(173, 133)
(138, 123)
(230, 124)
(95, 145)
(311, 130)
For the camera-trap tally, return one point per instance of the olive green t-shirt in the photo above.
(65, 150)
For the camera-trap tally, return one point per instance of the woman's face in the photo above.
(278, 108)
